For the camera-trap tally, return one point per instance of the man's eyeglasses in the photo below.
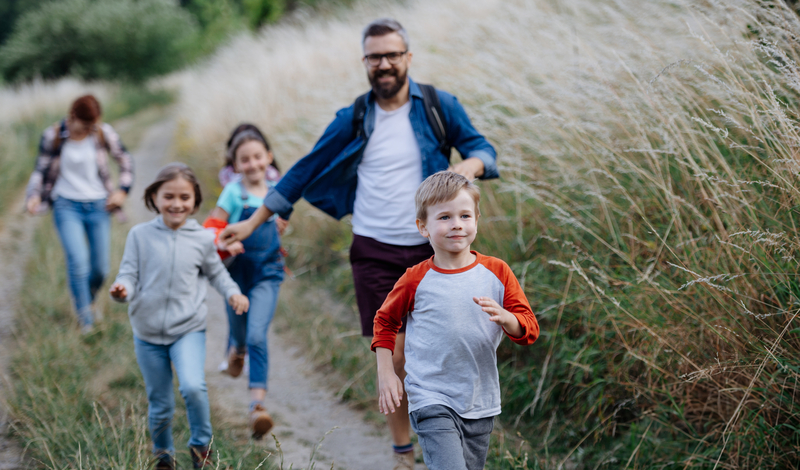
(393, 58)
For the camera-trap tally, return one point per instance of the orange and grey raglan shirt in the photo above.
(451, 345)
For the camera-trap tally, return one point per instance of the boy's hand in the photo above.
(499, 315)
(235, 248)
(240, 303)
(389, 384)
(118, 291)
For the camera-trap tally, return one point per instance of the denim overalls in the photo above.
(259, 273)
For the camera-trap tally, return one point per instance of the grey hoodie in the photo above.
(164, 272)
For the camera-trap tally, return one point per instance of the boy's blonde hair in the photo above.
(441, 187)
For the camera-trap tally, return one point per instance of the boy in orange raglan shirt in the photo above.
(459, 304)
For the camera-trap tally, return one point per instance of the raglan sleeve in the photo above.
(389, 318)
(515, 301)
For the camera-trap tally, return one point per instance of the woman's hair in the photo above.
(241, 134)
(86, 108)
(169, 173)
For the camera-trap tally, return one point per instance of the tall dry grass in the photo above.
(648, 204)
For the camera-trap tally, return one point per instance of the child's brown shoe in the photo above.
(201, 457)
(260, 421)
(235, 362)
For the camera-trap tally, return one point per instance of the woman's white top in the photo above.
(79, 177)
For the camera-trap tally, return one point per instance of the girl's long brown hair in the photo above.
(169, 173)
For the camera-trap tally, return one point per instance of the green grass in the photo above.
(80, 402)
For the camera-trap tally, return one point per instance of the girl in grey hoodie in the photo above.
(163, 275)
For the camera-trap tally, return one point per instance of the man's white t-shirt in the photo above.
(78, 177)
(388, 176)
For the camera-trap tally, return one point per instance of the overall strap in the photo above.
(245, 196)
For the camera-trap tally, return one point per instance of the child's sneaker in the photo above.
(404, 461)
(235, 362)
(260, 421)
(201, 457)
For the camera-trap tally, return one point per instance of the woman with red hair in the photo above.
(73, 177)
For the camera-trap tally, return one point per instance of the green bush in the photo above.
(112, 39)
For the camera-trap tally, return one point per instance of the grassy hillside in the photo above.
(647, 204)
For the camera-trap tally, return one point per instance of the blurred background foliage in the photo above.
(128, 40)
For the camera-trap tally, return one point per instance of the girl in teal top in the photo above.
(258, 266)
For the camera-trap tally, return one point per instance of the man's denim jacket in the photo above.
(327, 176)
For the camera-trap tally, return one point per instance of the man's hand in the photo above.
(118, 291)
(33, 205)
(240, 303)
(499, 315)
(116, 199)
(389, 384)
(235, 233)
(470, 168)
(241, 230)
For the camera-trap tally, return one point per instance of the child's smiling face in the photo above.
(451, 226)
(251, 160)
(175, 201)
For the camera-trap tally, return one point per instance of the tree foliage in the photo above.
(112, 39)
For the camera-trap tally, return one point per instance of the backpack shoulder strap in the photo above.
(433, 109)
(359, 111)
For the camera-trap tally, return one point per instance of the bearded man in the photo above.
(369, 162)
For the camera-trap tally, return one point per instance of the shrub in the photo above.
(116, 39)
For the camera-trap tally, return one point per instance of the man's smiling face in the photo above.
(387, 79)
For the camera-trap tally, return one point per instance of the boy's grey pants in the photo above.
(450, 442)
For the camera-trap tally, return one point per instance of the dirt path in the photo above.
(303, 405)
(14, 254)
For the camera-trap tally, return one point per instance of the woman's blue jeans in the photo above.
(250, 328)
(188, 356)
(85, 232)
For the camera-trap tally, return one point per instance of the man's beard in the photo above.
(387, 91)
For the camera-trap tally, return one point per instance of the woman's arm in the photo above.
(33, 191)
(125, 162)
(121, 155)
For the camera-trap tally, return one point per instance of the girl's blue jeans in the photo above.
(188, 356)
(85, 232)
(250, 328)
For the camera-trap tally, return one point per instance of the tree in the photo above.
(110, 39)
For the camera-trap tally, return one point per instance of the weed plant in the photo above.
(647, 204)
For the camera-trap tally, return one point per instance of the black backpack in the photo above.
(433, 109)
